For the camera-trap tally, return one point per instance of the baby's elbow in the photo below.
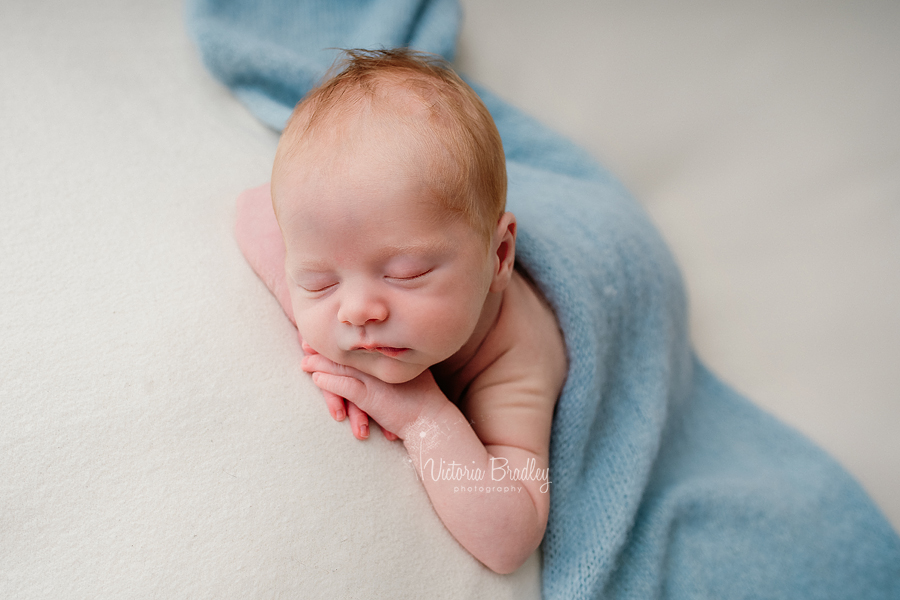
(504, 563)
(516, 536)
(505, 567)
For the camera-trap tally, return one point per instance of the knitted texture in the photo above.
(665, 482)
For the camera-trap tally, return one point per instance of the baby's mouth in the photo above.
(389, 351)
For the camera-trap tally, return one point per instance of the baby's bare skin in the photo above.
(493, 410)
(492, 399)
(509, 390)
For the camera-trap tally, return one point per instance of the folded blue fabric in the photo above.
(665, 482)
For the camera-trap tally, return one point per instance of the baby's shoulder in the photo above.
(528, 326)
(524, 367)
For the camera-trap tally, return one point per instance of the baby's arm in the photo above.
(259, 238)
(498, 519)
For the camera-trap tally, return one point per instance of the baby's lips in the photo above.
(391, 351)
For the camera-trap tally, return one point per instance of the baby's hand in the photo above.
(340, 408)
(393, 406)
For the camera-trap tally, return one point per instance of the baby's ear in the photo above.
(503, 250)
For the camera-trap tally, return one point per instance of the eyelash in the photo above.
(422, 274)
(327, 287)
(411, 278)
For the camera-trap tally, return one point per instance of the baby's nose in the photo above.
(362, 310)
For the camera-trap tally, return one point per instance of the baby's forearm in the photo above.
(494, 500)
(495, 505)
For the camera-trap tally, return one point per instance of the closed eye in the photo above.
(410, 277)
(318, 289)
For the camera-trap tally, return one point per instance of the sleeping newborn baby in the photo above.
(389, 189)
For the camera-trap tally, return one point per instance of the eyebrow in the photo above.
(427, 248)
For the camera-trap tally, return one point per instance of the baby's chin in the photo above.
(388, 370)
(393, 374)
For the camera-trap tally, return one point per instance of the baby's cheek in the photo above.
(450, 323)
(310, 330)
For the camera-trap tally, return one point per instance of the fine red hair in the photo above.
(448, 124)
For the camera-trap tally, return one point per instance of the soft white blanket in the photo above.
(157, 437)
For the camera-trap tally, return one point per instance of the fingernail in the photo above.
(364, 431)
(339, 414)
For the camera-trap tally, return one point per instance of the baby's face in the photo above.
(380, 277)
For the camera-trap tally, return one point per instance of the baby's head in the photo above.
(411, 107)
(389, 185)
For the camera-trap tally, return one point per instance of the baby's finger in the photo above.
(307, 349)
(345, 387)
(359, 421)
(336, 405)
(391, 437)
(317, 362)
